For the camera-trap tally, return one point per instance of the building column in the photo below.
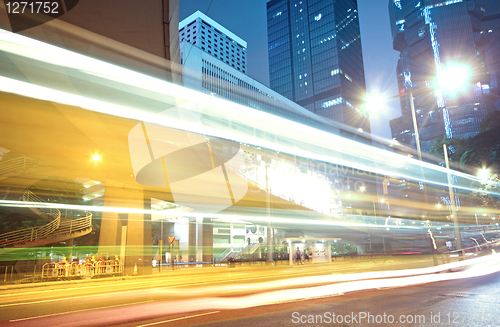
(208, 240)
(192, 240)
(290, 253)
(136, 236)
(270, 244)
(329, 251)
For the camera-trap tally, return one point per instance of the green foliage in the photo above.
(491, 121)
(482, 195)
(456, 148)
(482, 150)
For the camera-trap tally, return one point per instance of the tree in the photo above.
(491, 121)
(456, 148)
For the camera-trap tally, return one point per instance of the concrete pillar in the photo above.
(290, 253)
(208, 240)
(111, 223)
(329, 251)
(270, 244)
(137, 234)
(192, 240)
(69, 249)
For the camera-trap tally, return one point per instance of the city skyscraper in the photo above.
(433, 36)
(211, 37)
(315, 57)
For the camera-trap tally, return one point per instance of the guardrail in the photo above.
(29, 234)
(45, 212)
(74, 225)
(53, 228)
(57, 270)
(17, 164)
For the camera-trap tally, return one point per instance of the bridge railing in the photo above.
(29, 234)
(45, 212)
(15, 165)
(75, 225)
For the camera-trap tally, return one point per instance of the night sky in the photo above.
(247, 19)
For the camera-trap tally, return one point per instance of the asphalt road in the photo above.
(470, 302)
(187, 297)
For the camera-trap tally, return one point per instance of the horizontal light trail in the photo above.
(177, 319)
(312, 143)
(67, 312)
(476, 267)
(230, 218)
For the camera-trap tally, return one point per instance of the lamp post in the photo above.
(452, 78)
(453, 205)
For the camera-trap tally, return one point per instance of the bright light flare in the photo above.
(96, 157)
(376, 103)
(483, 174)
(454, 78)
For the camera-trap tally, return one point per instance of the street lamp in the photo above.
(450, 78)
(484, 174)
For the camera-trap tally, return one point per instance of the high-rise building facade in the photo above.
(208, 35)
(433, 35)
(315, 57)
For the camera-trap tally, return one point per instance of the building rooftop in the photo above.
(205, 18)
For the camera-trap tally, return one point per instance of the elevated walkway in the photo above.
(56, 230)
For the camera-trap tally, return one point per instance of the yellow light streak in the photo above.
(63, 313)
(176, 319)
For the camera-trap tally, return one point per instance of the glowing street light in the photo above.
(484, 174)
(376, 103)
(96, 157)
(454, 77)
(438, 205)
(451, 78)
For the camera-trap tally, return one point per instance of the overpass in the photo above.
(149, 141)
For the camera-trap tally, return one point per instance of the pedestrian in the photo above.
(298, 256)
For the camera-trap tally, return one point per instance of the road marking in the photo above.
(62, 313)
(164, 321)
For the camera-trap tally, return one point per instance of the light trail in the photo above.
(177, 319)
(67, 312)
(227, 217)
(477, 267)
(313, 143)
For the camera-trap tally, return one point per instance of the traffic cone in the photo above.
(135, 269)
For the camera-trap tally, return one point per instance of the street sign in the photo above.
(171, 239)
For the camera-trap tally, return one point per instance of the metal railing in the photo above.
(15, 165)
(45, 212)
(230, 251)
(249, 249)
(56, 270)
(29, 234)
(53, 229)
(74, 225)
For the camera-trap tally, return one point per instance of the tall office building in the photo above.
(315, 57)
(433, 35)
(208, 35)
